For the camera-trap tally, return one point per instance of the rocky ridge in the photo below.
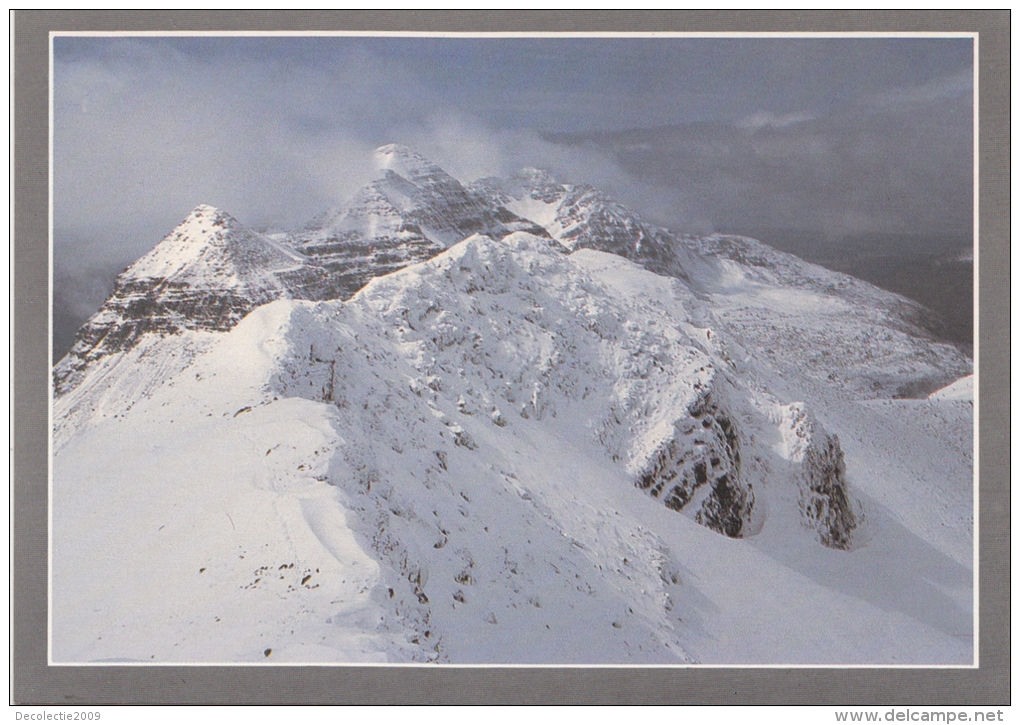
(210, 272)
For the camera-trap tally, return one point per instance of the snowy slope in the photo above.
(796, 317)
(830, 328)
(463, 464)
(962, 389)
(211, 271)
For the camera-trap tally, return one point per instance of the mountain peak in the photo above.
(205, 210)
(206, 217)
(406, 162)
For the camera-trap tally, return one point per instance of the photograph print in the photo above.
(485, 350)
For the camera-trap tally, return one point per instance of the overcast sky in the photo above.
(275, 130)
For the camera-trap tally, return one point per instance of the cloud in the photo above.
(147, 130)
(469, 149)
(764, 119)
(862, 169)
(953, 86)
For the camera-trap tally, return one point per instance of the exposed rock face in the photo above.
(872, 342)
(440, 204)
(210, 272)
(824, 503)
(467, 424)
(353, 260)
(824, 499)
(698, 470)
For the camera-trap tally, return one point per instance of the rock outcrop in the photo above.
(582, 217)
(825, 503)
(823, 490)
(698, 470)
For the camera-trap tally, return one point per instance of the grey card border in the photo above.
(33, 682)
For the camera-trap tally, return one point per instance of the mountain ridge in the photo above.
(341, 251)
(513, 448)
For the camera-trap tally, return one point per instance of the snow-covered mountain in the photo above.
(507, 422)
(410, 214)
(207, 274)
(781, 307)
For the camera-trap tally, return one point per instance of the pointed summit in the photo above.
(408, 164)
(580, 216)
(206, 274)
(210, 248)
(206, 216)
(205, 210)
